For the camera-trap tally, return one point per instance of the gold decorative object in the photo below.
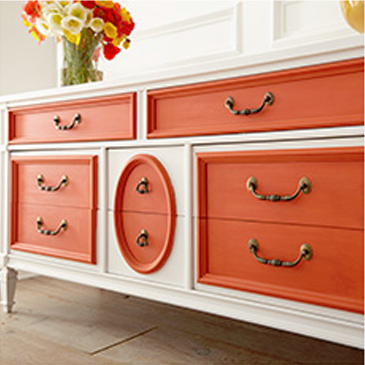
(353, 12)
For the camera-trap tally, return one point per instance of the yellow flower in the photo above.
(75, 39)
(126, 43)
(35, 36)
(26, 23)
(118, 41)
(125, 16)
(110, 30)
(105, 4)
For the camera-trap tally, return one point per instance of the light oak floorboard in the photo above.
(166, 346)
(56, 322)
(77, 318)
(19, 347)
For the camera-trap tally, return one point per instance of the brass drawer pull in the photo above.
(306, 253)
(142, 239)
(268, 100)
(40, 180)
(142, 186)
(57, 121)
(305, 186)
(62, 226)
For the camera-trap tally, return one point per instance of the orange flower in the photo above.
(110, 51)
(105, 4)
(32, 9)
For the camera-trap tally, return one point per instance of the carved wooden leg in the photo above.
(8, 278)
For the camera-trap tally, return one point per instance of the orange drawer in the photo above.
(144, 186)
(59, 181)
(145, 240)
(316, 96)
(333, 277)
(76, 242)
(336, 198)
(107, 118)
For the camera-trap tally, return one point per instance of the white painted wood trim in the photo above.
(292, 135)
(102, 232)
(189, 238)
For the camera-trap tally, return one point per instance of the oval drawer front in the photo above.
(332, 194)
(145, 240)
(317, 96)
(333, 276)
(63, 181)
(144, 186)
(108, 118)
(75, 241)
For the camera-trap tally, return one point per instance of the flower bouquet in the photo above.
(86, 29)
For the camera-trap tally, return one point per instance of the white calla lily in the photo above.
(72, 24)
(42, 27)
(97, 25)
(49, 8)
(78, 11)
(89, 17)
(55, 23)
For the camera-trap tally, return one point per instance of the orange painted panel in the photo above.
(333, 277)
(107, 118)
(336, 174)
(316, 96)
(156, 195)
(77, 242)
(79, 191)
(153, 251)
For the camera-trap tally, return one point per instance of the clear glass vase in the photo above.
(81, 61)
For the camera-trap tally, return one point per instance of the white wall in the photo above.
(24, 65)
(173, 33)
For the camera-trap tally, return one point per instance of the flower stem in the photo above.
(81, 60)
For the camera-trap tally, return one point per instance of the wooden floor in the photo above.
(55, 322)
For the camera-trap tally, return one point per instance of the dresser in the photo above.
(236, 191)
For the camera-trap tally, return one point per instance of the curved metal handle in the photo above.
(142, 239)
(268, 100)
(306, 253)
(142, 186)
(40, 180)
(62, 226)
(305, 186)
(57, 121)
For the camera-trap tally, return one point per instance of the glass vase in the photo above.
(81, 61)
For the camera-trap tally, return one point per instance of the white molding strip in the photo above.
(181, 32)
(332, 27)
